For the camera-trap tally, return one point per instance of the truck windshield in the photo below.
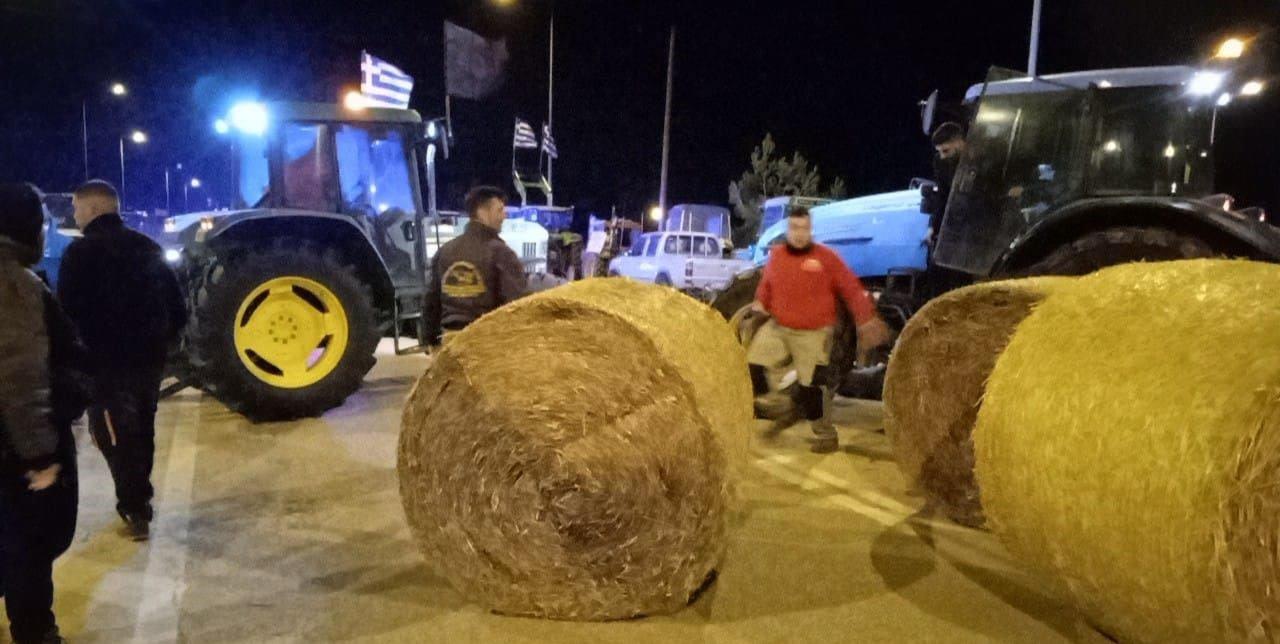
(772, 214)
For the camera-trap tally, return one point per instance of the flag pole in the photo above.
(551, 83)
(666, 123)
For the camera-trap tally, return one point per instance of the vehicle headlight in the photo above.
(173, 256)
(170, 226)
(206, 224)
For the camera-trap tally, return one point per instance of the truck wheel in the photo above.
(1119, 245)
(280, 332)
(662, 280)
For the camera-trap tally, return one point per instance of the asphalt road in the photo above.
(293, 532)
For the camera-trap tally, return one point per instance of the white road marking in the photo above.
(164, 579)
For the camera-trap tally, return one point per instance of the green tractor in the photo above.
(1065, 174)
(321, 256)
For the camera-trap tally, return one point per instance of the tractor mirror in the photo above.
(928, 107)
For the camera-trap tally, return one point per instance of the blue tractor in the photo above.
(1060, 175)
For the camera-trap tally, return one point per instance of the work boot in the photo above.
(137, 527)
(788, 418)
(825, 445)
(50, 636)
(774, 405)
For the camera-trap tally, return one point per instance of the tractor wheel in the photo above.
(280, 332)
(1119, 245)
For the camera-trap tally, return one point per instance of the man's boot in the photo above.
(769, 405)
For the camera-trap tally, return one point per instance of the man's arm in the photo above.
(24, 372)
(432, 307)
(71, 281)
(509, 272)
(872, 331)
(764, 292)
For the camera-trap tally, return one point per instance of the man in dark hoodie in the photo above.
(40, 396)
(128, 307)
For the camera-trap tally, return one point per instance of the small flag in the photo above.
(548, 143)
(525, 138)
(475, 66)
(384, 85)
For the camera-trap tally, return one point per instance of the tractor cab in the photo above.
(1132, 146)
(329, 161)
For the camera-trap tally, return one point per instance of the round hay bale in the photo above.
(935, 381)
(1129, 444)
(569, 455)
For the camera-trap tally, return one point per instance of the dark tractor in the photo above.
(1069, 173)
(321, 255)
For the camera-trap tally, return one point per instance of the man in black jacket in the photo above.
(128, 307)
(475, 272)
(40, 396)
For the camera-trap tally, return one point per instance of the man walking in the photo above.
(804, 283)
(474, 273)
(126, 302)
(39, 399)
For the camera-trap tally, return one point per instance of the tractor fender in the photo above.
(1226, 231)
(327, 230)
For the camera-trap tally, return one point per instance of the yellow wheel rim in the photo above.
(291, 332)
(743, 326)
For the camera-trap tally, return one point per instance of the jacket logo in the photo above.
(811, 266)
(463, 280)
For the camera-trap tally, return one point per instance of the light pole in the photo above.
(1033, 56)
(193, 183)
(117, 90)
(137, 137)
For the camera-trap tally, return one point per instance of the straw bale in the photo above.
(569, 455)
(1129, 445)
(935, 381)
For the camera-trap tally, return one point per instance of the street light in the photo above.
(138, 137)
(194, 183)
(354, 101)
(1230, 48)
(221, 126)
(117, 90)
(1252, 88)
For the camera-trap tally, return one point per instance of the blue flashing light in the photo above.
(250, 118)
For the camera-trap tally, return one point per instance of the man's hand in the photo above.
(41, 479)
(873, 334)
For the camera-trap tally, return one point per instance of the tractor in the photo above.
(321, 255)
(1065, 174)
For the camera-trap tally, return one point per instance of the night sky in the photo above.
(838, 80)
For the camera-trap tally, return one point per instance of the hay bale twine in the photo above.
(569, 455)
(1129, 444)
(935, 381)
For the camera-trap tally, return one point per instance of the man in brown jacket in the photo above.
(475, 272)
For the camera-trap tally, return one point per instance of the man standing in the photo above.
(474, 273)
(39, 399)
(126, 302)
(804, 283)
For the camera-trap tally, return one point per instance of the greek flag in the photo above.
(525, 138)
(383, 84)
(548, 143)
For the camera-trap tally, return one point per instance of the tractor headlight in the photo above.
(170, 226)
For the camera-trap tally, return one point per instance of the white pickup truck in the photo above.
(684, 260)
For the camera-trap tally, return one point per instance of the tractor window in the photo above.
(309, 178)
(374, 169)
(1149, 143)
(253, 171)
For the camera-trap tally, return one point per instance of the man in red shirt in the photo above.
(804, 283)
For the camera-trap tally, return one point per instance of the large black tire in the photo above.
(1118, 245)
(217, 294)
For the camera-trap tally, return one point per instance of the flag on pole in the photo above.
(548, 143)
(383, 84)
(525, 138)
(474, 66)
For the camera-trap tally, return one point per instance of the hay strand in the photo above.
(1129, 445)
(935, 382)
(568, 456)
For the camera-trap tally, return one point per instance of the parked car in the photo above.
(680, 259)
(59, 231)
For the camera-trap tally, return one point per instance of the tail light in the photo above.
(688, 269)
